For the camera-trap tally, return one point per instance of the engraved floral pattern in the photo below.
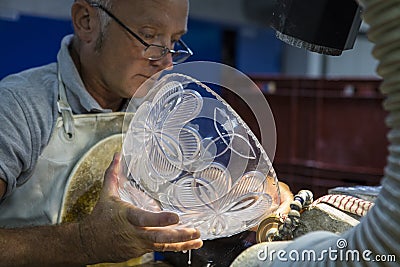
(194, 156)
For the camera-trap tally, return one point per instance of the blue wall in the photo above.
(34, 41)
(29, 42)
(205, 39)
(258, 51)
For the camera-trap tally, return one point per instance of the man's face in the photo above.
(118, 68)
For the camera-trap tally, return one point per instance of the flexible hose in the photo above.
(380, 229)
(377, 237)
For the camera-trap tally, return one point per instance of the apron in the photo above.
(69, 173)
(39, 201)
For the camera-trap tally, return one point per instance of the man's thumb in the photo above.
(110, 185)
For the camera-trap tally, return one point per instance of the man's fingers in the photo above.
(170, 235)
(286, 199)
(110, 185)
(193, 244)
(148, 226)
(143, 218)
(169, 238)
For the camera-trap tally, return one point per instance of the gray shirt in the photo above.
(28, 108)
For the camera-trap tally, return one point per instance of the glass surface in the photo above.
(187, 151)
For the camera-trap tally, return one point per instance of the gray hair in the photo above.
(104, 22)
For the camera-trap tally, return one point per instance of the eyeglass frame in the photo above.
(165, 49)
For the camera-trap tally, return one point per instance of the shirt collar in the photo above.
(78, 97)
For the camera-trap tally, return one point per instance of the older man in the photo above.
(53, 114)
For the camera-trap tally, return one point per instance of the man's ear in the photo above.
(85, 21)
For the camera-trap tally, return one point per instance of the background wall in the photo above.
(29, 41)
(219, 30)
(317, 100)
(357, 62)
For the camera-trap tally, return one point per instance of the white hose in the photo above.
(376, 240)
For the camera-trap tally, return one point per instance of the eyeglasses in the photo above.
(153, 52)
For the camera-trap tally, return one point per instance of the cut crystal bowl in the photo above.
(187, 151)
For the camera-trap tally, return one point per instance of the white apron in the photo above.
(66, 169)
(39, 200)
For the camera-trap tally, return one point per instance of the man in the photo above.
(117, 46)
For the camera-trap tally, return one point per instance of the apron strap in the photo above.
(64, 109)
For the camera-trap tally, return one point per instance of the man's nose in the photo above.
(165, 62)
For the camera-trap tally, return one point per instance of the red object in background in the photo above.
(330, 132)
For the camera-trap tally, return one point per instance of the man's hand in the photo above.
(286, 199)
(118, 231)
